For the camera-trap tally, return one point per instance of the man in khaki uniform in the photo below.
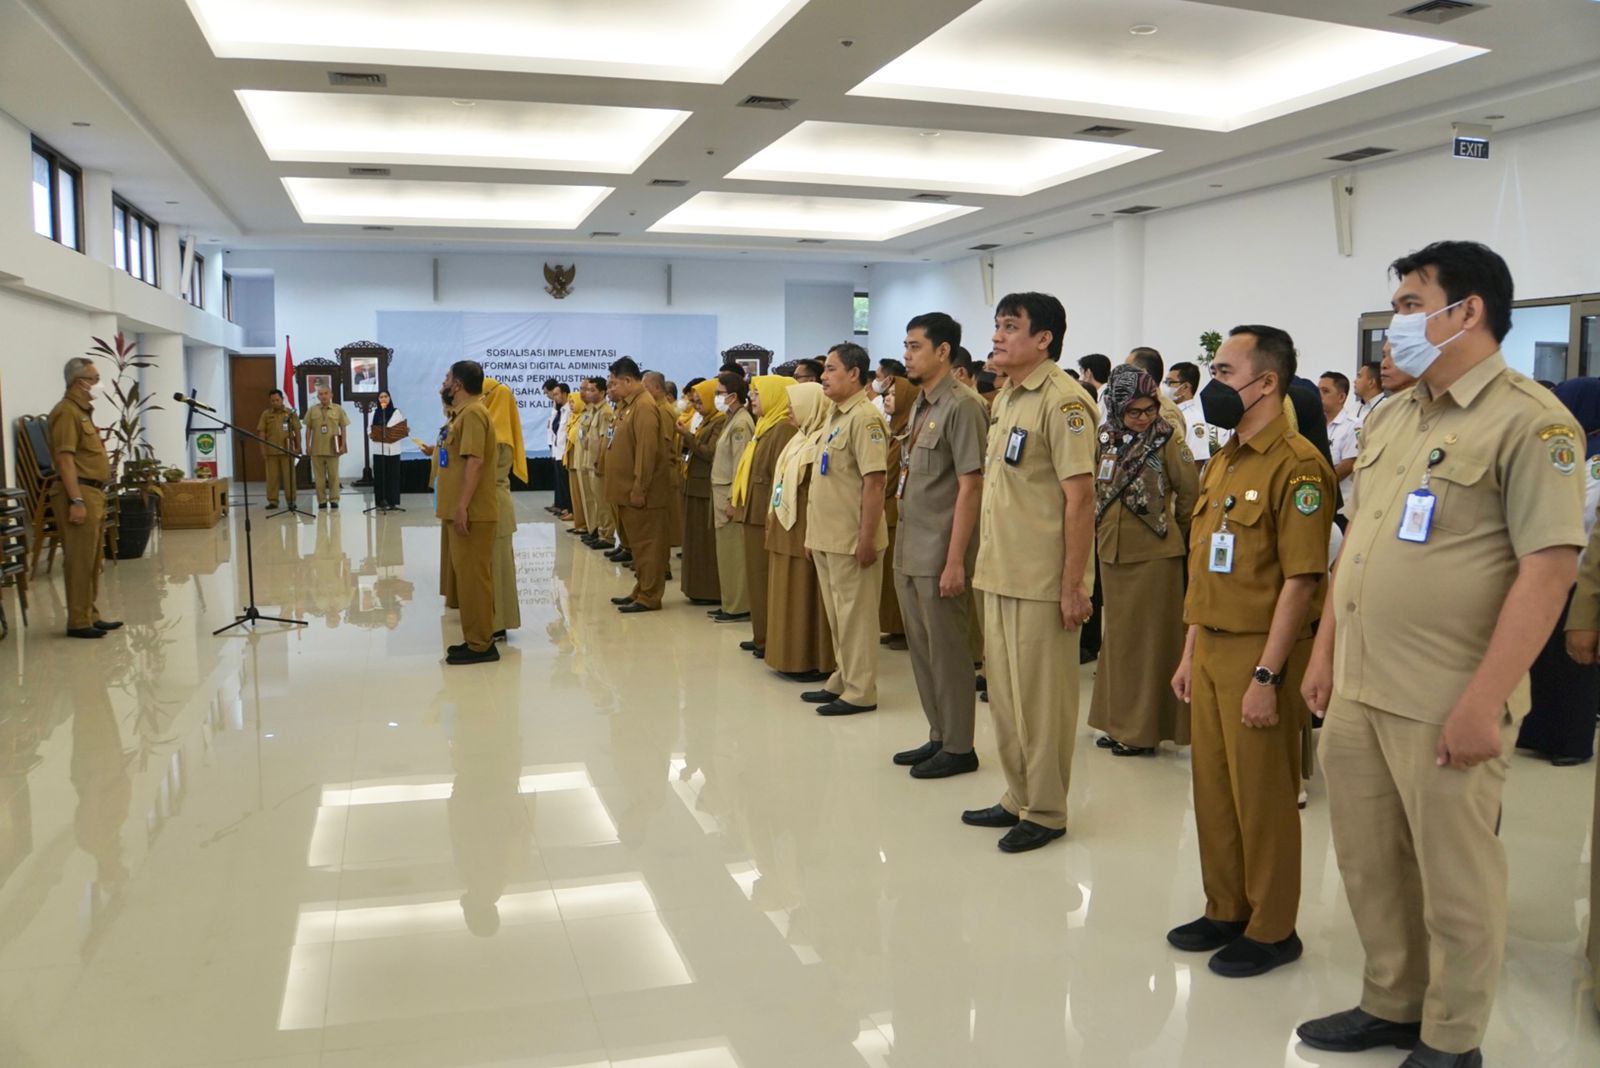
(280, 426)
(1035, 566)
(639, 485)
(846, 532)
(655, 384)
(1258, 555)
(1463, 541)
(594, 430)
(79, 498)
(325, 426)
(940, 493)
(469, 508)
(733, 396)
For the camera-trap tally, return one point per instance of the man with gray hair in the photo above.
(78, 497)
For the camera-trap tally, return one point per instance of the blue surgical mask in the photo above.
(1409, 346)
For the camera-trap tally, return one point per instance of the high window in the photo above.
(57, 197)
(134, 242)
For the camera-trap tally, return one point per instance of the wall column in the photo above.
(164, 429)
(1127, 286)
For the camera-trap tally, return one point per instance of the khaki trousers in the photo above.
(755, 578)
(602, 520)
(974, 622)
(83, 554)
(1032, 667)
(580, 498)
(731, 569)
(1246, 787)
(941, 662)
(648, 539)
(280, 475)
(850, 595)
(325, 475)
(1423, 869)
(472, 562)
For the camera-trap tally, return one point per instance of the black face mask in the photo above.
(447, 395)
(1222, 405)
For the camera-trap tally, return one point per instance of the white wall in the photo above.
(816, 317)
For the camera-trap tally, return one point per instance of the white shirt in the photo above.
(1366, 408)
(390, 448)
(1202, 438)
(558, 432)
(1342, 444)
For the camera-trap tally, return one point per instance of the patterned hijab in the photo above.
(1139, 477)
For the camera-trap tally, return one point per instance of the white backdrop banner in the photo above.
(524, 349)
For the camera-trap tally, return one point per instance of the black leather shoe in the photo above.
(748, 646)
(85, 632)
(1088, 656)
(1245, 957)
(1205, 935)
(702, 601)
(730, 617)
(620, 601)
(819, 697)
(635, 608)
(334, 505)
(843, 708)
(1029, 835)
(1425, 1056)
(499, 636)
(944, 764)
(910, 758)
(1132, 750)
(760, 654)
(993, 816)
(982, 682)
(1354, 1030)
(108, 624)
(805, 676)
(488, 656)
(1105, 741)
(1555, 762)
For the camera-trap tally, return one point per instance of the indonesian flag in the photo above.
(288, 372)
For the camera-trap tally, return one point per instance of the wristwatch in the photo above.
(74, 500)
(1266, 676)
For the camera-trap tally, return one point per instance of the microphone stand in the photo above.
(252, 614)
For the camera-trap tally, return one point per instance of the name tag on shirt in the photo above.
(900, 487)
(1417, 520)
(1221, 553)
(444, 457)
(323, 429)
(1015, 443)
(1107, 467)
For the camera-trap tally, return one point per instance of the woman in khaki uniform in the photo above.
(1145, 488)
(582, 507)
(752, 490)
(509, 457)
(699, 580)
(799, 643)
(898, 400)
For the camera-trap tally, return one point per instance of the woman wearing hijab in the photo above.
(899, 397)
(510, 458)
(1145, 489)
(699, 580)
(582, 507)
(752, 492)
(389, 431)
(799, 643)
(1566, 693)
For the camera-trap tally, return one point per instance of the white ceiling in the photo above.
(533, 123)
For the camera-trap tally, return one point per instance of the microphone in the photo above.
(191, 402)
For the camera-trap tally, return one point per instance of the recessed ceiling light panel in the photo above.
(828, 218)
(1212, 67)
(375, 128)
(487, 205)
(898, 157)
(665, 40)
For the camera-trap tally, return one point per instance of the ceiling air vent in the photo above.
(1434, 12)
(812, 241)
(984, 247)
(932, 198)
(1137, 209)
(605, 233)
(1356, 155)
(672, 183)
(369, 172)
(348, 77)
(379, 229)
(771, 103)
(1105, 131)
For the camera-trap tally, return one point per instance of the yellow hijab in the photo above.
(773, 391)
(810, 407)
(507, 419)
(578, 408)
(707, 391)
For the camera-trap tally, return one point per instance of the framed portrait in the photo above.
(365, 367)
(363, 375)
(317, 382)
(751, 366)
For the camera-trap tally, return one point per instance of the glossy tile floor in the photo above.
(288, 849)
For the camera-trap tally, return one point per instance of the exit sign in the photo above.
(1470, 148)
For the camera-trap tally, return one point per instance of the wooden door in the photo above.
(250, 378)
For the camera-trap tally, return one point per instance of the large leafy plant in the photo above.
(1210, 342)
(132, 454)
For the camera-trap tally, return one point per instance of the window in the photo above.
(861, 308)
(57, 197)
(227, 296)
(135, 234)
(197, 282)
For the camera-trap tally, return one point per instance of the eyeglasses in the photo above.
(1139, 413)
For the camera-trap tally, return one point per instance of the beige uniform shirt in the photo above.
(71, 429)
(1124, 538)
(601, 428)
(324, 426)
(1020, 530)
(945, 439)
(471, 433)
(281, 427)
(1414, 619)
(855, 443)
(725, 464)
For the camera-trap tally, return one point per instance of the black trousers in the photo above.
(386, 481)
(563, 488)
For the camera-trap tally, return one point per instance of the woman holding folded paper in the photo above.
(389, 431)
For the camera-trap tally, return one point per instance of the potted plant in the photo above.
(135, 491)
(1210, 342)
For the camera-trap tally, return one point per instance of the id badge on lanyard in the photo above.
(444, 453)
(1220, 559)
(822, 463)
(1416, 520)
(905, 472)
(1015, 444)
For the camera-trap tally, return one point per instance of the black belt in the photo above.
(92, 483)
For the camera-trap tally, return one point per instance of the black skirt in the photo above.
(1566, 697)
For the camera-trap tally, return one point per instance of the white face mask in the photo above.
(683, 404)
(1409, 346)
(722, 402)
(1166, 391)
(879, 386)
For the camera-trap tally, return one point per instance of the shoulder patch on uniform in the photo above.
(1557, 430)
(875, 432)
(1297, 479)
(1594, 468)
(1308, 497)
(1563, 452)
(1188, 457)
(1199, 430)
(1077, 416)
